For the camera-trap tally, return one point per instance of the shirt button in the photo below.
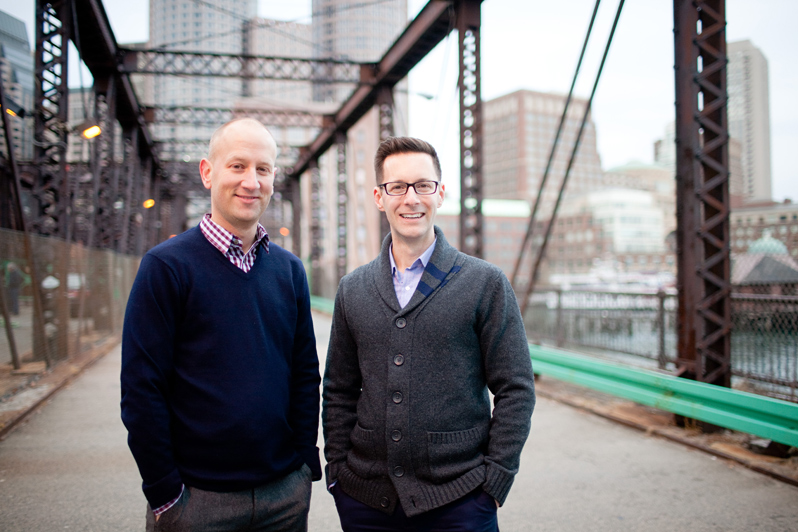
(398, 471)
(397, 397)
(399, 360)
(384, 502)
(396, 435)
(401, 323)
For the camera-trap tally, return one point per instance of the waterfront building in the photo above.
(611, 229)
(519, 130)
(766, 268)
(753, 221)
(656, 179)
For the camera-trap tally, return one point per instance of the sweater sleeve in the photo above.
(509, 374)
(341, 390)
(147, 365)
(305, 380)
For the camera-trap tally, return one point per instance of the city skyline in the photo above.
(637, 79)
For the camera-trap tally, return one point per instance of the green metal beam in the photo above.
(732, 409)
(762, 416)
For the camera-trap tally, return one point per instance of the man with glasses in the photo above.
(421, 337)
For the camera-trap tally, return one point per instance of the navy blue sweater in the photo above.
(220, 376)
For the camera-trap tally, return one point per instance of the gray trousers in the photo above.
(281, 505)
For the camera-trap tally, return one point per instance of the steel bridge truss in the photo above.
(240, 66)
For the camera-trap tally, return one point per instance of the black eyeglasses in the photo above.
(422, 188)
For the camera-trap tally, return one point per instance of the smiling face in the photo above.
(411, 216)
(239, 172)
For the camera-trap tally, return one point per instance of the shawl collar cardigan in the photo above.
(406, 410)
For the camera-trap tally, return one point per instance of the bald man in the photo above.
(220, 376)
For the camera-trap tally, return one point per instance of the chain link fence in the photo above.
(641, 329)
(58, 300)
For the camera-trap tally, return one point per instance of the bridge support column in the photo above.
(702, 191)
(468, 27)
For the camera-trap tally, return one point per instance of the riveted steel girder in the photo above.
(468, 27)
(218, 116)
(385, 105)
(341, 202)
(702, 189)
(239, 66)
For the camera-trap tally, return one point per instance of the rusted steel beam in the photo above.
(217, 116)
(240, 66)
(316, 225)
(385, 105)
(341, 201)
(702, 190)
(468, 27)
(50, 189)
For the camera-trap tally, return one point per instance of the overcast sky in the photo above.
(529, 44)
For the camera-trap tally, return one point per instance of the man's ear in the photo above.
(205, 173)
(378, 199)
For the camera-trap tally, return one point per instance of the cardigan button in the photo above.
(397, 397)
(384, 502)
(401, 323)
(399, 360)
(398, 471)
(396, 435)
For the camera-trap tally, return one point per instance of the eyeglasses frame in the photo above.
(413, 185)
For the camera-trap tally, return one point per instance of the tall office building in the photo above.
(16, 67)
(749, 116)
(665, 156)
(182, 25)
(519, 129)
(363, 32)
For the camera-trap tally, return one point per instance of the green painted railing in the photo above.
(322, 304)
(762, 416)
(768, 418)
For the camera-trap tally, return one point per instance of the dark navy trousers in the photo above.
(476, 512)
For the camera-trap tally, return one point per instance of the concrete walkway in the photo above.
(68, 468)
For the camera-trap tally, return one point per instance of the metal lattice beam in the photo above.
(50, 189)
(341, 201)
(217, 116)
(468, 27)
(239, 66)
(702, 188)
(385, 104)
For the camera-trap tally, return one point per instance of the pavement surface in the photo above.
(67, 467)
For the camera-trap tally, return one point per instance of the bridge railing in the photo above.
(58, 301)
(640, 329)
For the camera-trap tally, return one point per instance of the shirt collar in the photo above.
(223, 240)
(424, 258)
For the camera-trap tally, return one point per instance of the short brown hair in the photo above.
(396, 145)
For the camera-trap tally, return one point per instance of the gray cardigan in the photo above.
(406, 409)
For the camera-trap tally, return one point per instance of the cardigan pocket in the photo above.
(453, 454)
(362, 458)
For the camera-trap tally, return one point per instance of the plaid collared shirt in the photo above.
(230, 245)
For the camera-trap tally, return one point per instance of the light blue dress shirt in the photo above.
(405, 283)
